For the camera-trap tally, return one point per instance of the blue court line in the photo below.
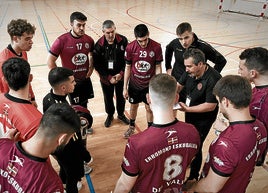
(42, 28)
(43, 33)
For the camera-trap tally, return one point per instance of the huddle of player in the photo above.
(156, 159)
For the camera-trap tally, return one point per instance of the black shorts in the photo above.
(82, 92)
(137, 96)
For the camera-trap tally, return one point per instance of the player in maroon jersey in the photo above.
(24, 166)
(143, 60)
(75, 50)
(230, 163)
(253, 65)
(16, 111)
(156, 159)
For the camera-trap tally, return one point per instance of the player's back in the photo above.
(21, 172)
(163, 153)
(20, 114)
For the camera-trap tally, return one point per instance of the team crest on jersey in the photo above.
(12, 169)
(173, 140)
(151, 54)
(17, 160)
(256, 129)
(142, 66)
(87, 45)
(79, 59)
(170, 132)
(223, 143)
(199, 86)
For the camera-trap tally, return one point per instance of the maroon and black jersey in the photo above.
(21, 172)
(143, 62)
(259, 104)
(19, 114)
(74, 53)
(259, 108)
(160, 155)
(233, 154)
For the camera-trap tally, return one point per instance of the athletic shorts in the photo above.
(82, 92)
(137, 96)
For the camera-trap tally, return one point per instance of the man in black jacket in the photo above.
(109, 62)
(188, 39)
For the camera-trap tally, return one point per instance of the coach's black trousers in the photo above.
(108, 94)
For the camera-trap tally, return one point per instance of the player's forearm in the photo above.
(91, 66)
(126, 76)
(158, 69)
(51, 61)
(121, 188)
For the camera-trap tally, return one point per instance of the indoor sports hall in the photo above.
(230, 26)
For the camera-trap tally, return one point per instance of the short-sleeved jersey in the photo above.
(74, 53)
(233, 154)
(21, 172)
(19, 114)
(143, 62)
(52, 98)
(160, 155)
(200, 91)
(259, 104)
(4, 55)
(259, 108)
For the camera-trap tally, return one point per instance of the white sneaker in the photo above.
(79, 185)
(89, 131)
(91, 160)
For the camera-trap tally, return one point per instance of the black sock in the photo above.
(149, 124)
(132, 122)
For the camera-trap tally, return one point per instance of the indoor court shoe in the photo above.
(79, 185)
(124, 119)
(90, 162)
(87, 169)
(129, 132)
(108, 121)
(89, 131)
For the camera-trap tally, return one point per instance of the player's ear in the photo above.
(62, 87)
(30, 77)
(62, 139)
(15, 38)
(177, 96)
(253, 73)
(225, 102)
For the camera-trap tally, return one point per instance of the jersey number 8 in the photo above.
(173, 167)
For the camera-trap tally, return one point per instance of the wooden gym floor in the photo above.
(229, 33)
